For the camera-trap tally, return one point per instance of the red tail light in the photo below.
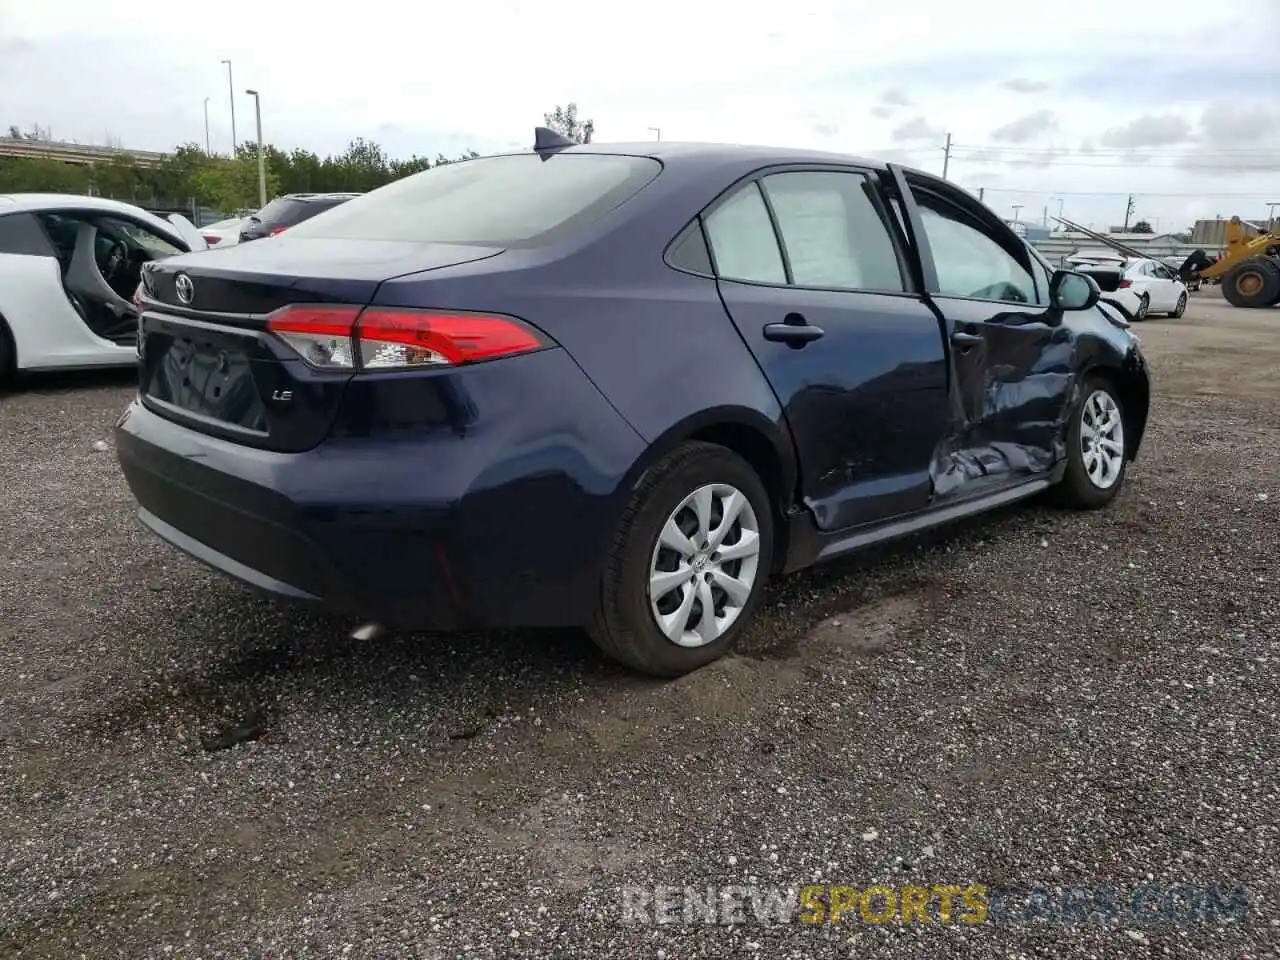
(212, 239)
(387, 338)
(276, 230)
(1124, 283)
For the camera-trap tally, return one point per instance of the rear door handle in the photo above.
(795, 331)
(965, 340)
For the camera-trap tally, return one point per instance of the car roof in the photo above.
(28, 202)
(677, 151)
(13, 203)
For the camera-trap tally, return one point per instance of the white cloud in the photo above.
(828, 74)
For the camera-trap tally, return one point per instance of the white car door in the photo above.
(46, 329)
(1142, 282)
(1172, 288)
(187, 230)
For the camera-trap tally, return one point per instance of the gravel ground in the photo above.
(1039, 698)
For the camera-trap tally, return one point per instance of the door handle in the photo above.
(795, 331)
(965, 341)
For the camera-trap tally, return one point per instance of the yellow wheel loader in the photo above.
(1249, 268)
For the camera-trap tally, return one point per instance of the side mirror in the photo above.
(1069, 290)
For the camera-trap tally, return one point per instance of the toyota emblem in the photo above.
(185, 289)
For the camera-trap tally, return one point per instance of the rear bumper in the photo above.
(504, 525)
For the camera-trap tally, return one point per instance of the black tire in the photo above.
(1181, 308)
(624, 626)
(1077, 489)
(1144, 308)
(8, 354)
(1253, 283)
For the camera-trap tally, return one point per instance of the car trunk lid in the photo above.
(207, 357)
(1106, 275)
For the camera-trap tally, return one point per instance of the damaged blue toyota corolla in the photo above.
(615, 386)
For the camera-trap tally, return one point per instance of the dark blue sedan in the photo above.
(615, 386)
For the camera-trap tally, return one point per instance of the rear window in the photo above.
(518, 199)
(280, 210)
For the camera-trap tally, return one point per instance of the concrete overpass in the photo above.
(76, 152)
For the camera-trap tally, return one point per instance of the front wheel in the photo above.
(1144, 305)
(8, 356)
(1097, 457)
(689, 563)
(1181, 308)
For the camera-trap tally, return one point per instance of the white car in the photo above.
(224, 233)
(69, 267)
(1139, 287)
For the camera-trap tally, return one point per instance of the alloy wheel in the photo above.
(1102, 439)
(705, 565)
(1143, 306)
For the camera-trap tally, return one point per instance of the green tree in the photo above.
(564, 121)
(1141, 227)
(118, 178)
(38, 175)
(224, 182)
(441, 159)
(407, 168)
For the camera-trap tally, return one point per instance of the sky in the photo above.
(1067, 107)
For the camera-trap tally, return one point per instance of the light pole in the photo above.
(1016, 208)
(231, 93)
(1271, 213)
(657, 131)
(262, 163)
(206, 127)
(1059, 199)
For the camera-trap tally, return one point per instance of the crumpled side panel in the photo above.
(1014, 427)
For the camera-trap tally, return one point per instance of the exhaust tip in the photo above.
(368, 631)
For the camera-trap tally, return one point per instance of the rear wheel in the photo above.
(1181, 308)
(1097, 457)
(689, 564)
(1253, 283)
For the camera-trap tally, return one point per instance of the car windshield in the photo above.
(156, 246)
(510, 200)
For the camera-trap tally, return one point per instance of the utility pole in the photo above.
(657, 131)
(231, 93)
(206, 126)
(262, 163)
(1128, 212)
(982, 192)
(1044, 222)
(946, 157)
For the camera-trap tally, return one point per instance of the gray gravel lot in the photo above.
(1038, 698)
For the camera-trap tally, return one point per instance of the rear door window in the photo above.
(280, 211)
(512, 200)
(832, 231)
(742, 239)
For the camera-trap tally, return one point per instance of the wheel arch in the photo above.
(1128, 374)
(763, 443)
(8, 350)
